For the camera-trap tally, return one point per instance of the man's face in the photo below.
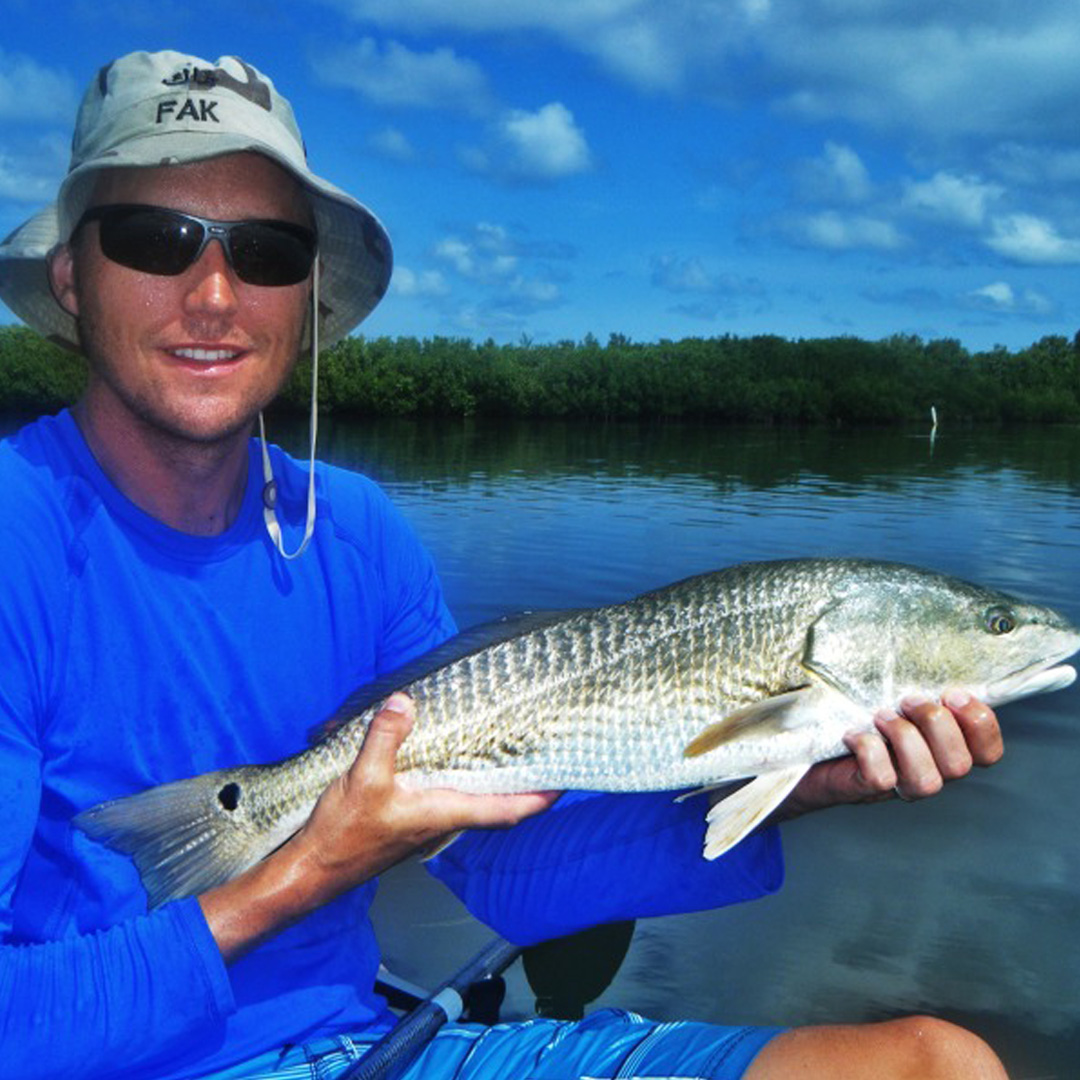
(199, 354)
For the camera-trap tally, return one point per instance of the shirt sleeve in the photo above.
(69, 1006)
(114, 1000)
(414, 617)
(595, 858)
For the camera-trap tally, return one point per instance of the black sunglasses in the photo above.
(155, 240)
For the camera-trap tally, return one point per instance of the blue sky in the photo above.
(653, 168)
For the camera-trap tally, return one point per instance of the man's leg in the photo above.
(914, 1048)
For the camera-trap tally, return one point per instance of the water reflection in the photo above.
(965, 906)
(758, 457)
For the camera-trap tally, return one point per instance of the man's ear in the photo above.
(60, 264)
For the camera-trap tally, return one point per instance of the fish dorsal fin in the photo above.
(456, 648)
(771, 714)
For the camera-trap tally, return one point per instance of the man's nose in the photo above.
(212, 281)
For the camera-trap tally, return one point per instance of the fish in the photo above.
(751, 673)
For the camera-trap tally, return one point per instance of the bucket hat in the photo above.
(166, 108)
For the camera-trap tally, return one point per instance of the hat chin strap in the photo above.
(270, 486)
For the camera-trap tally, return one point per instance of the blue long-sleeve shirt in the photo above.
(130, 655)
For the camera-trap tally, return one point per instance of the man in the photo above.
(154, 624)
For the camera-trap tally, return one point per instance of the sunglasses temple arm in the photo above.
(270, 488)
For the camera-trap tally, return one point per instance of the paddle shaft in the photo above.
(399, 1047)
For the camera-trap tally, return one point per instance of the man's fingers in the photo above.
(979, 724)
(492, 811)
(932, 742)
(875, 770)
(942, 735)
(918, 775)
(387, 731)
(375, 768)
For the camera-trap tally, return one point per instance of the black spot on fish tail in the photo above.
(229, 796)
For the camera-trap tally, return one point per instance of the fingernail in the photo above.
(957, 699)
(855, 738)
(913, 701)
(886, 716)
(399, 703)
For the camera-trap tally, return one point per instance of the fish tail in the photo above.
(184, 837)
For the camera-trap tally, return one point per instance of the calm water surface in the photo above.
(968, 905)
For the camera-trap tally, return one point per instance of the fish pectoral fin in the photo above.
(772, 714)
(744, 810)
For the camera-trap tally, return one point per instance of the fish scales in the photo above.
(756, 671)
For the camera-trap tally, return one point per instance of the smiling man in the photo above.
(181, 362)
(154, 624)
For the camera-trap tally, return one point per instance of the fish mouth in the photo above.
(1033, 679)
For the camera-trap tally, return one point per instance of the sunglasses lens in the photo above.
(149, 240)
(272, 252)
(159, 241)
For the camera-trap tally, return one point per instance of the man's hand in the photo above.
(912, 755)
(366, 821)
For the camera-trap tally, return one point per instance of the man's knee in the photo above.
(939, 1048)
(912, 1048)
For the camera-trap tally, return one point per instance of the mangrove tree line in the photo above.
(763, 378)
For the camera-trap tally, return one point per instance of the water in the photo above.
(966, 906)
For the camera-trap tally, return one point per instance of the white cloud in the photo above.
(682, 275)
(22, 184)
(1025, 238)
(547, 143)
(31, 169)
(651, 43)
(1036, 165)
(491, 16)
(951, 69)
(1001, 297)
(839, 232)
(489, 256)
(756, 10)
(711, 291)
(535, 292)
(409, 283)
(486, 255)
(962, 200)
(998, 294)
(393, 144)
(838, 175)
(962, 68)
(393, 75)
(32, 93)
(533, 147)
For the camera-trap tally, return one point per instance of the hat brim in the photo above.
(355, 255)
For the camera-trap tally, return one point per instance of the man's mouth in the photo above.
(207, 356)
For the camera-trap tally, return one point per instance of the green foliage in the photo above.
(35, 375)
(764, 379)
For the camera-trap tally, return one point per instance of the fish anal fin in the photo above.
(706, 789)
(734, 817)
(760, 717)
(437, 847)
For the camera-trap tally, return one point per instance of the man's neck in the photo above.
(194, 487)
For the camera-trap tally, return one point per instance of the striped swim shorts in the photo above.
(608, 1044)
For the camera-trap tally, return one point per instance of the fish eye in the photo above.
(1000, 621)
